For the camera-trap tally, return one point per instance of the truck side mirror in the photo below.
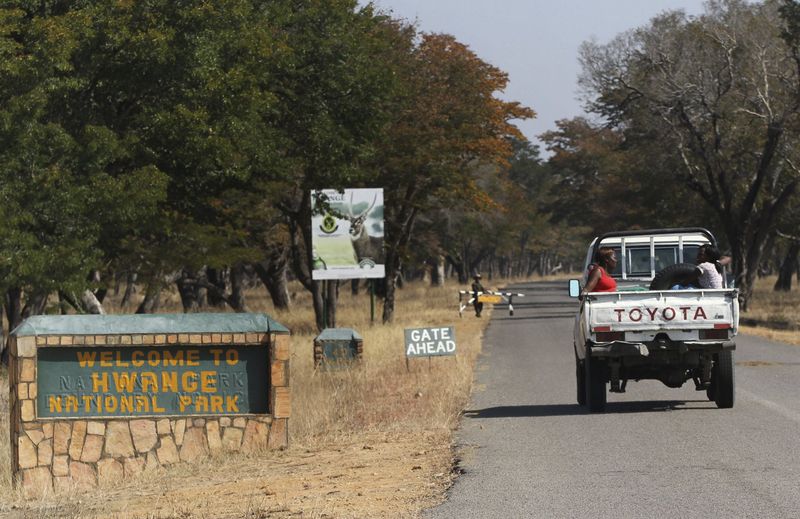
(574, 288)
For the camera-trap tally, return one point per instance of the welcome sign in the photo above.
(428, 342)
(168, 380)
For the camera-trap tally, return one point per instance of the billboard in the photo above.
(347, 234)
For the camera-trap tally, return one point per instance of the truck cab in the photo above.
(647, 330)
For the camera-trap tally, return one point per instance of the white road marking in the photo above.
(769, 404)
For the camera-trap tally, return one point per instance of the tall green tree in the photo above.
(446, 126)
(67, 186)
(721, 92)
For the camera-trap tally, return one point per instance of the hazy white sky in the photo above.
(535, 41)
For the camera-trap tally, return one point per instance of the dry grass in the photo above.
(383, 401)
(774, 308)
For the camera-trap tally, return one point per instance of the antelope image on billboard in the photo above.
(347, 232)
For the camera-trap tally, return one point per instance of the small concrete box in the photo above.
(337, 347)
(102, 397)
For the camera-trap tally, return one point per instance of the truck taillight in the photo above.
(610, 336)
(718, 334)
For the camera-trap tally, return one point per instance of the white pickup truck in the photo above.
(646, 330)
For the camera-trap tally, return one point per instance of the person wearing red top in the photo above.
(599, 279)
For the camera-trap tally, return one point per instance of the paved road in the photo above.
(528, 450)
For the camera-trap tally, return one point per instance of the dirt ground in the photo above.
(373, 475)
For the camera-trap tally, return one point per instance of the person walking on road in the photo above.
(477, 289)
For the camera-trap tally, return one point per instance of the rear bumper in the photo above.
(639, 349)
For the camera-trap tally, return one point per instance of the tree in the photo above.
(331, 89)
(721, 92)
(446, 126)
(67, 185)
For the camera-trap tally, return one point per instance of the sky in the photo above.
(535, 41)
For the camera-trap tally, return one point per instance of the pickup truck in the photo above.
(646, 330)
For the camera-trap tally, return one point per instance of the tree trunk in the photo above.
(130, 289)
(187, 289)
(319, 306)
(217, 278)
(331, 292)
(13, 307)
(390, 287)
(13, 310)
(90, 302)
(152, 299)
(237, 299)
(788, 268)
(274, 279)
(355, 284)
(437, 273)
(35, 306)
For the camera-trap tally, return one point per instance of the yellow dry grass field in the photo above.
(372, 441)
(774, 308)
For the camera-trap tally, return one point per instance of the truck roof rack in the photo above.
(674, 230)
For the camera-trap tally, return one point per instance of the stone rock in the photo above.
(76, 443)
(98, 428)
(180, 430)
(194, 444)
(22, 391)
(37, 482)
(167, 453)
(214, 441)
(27, 370)
(144, 434)
(240, 422)
(26, 346)
(232, 438)
(255, 436)
(199, 422)
(46, 452)
(110, 471)
(282, 403)
(35, 435)
(133, 466)
(61, 466)
(225, 421)
(48, 430)
(27, 411)
(27, 453)
(92, 448)
(278, 434)
(83, 475)
(32, 391)
(61, 437)
(163, 426)
(118, 439)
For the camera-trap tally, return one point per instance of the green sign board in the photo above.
(151, 381)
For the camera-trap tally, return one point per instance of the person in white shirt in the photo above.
(708, 273)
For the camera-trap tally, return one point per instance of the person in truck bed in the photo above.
(708, 273)
(599, 278)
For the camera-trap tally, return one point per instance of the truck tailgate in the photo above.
(664, 310)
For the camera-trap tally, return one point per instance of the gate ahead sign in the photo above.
(427, 342)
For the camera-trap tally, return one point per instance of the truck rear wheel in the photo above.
(723, 381)
(580, 378)
(595, 384)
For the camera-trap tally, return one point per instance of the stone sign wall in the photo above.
(50, 452)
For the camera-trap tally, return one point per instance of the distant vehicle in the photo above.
(645, 330)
